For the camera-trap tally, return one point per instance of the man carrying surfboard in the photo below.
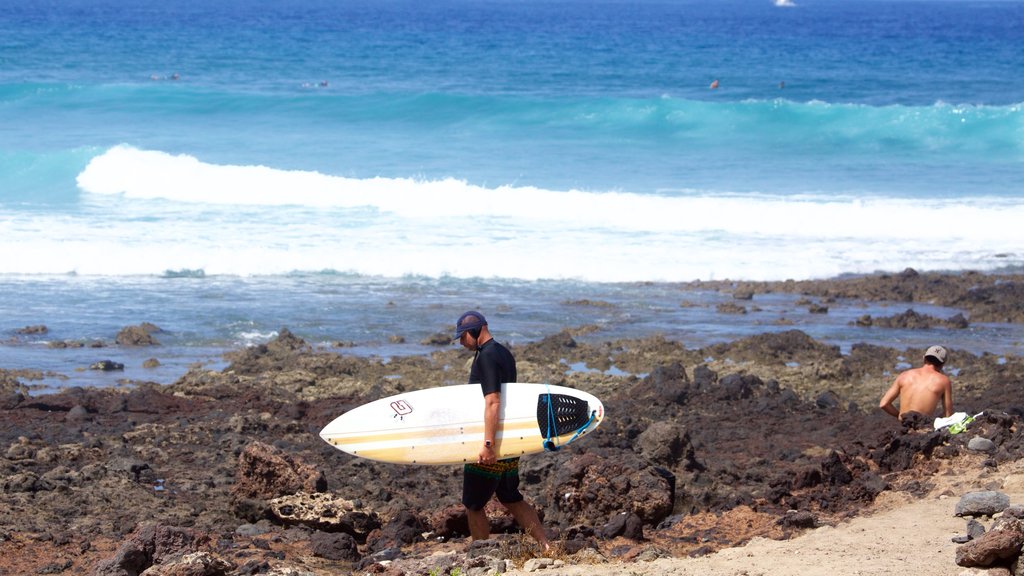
(493, 365)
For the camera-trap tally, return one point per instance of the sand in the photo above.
(898, 534)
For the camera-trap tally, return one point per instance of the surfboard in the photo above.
(446, 426)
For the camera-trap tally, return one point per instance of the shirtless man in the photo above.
(920, 389)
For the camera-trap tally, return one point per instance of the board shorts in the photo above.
(481, 481)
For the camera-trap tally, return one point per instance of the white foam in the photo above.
(153, 212)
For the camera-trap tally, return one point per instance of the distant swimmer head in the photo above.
(936, 354)
(471, 322)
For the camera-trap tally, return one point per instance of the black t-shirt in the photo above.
(493, 365)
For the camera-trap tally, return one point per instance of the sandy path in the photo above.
(901, 536)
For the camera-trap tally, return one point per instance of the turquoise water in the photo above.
(155, 153)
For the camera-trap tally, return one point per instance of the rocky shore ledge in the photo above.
(764, 438)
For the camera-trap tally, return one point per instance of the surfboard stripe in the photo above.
(513, 427)
(440, 453)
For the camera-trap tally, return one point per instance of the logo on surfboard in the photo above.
(401, 408)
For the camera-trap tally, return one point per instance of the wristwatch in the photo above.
(487, 443)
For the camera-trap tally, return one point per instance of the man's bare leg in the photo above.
(479, 525)
(527, 518)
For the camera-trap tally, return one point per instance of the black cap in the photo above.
(469, 321)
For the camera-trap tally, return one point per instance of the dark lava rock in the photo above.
(334, 546)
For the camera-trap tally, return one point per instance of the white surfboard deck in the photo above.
(446, 425)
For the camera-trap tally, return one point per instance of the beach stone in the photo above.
(267, 472)
(979, 444)
(983, 503)
(1001, 543)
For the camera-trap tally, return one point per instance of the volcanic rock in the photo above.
(1002, 543)
(267, 472)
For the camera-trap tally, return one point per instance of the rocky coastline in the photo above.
(223, 473)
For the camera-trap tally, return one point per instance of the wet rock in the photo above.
(911, 320)
(107, 366)
(33, 330)
(982, 503)
(141, 335)
(1002, 543)
(267, 472)
(730, 308)
(437, 339)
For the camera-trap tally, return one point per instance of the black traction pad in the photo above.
(567, 413)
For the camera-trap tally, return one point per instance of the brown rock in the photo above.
(150, 544)
(1001, 543)
(141, 335)
(267, 472)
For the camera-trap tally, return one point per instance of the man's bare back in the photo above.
(920, 390)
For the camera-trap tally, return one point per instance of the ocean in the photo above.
(359, 170)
